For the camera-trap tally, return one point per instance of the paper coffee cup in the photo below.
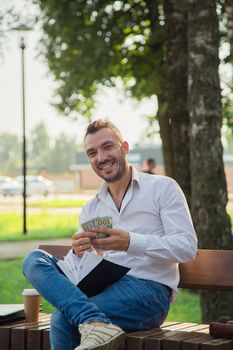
(31, 305)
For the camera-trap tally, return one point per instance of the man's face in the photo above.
(106, 154)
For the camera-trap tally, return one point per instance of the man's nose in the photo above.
(101, 156)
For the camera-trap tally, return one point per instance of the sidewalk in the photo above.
(12, 250)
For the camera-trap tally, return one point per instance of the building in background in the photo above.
(86, 179)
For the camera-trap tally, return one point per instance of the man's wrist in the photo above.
(128, 242)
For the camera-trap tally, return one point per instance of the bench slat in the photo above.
(19, 334)
(136, 340)
(212, 269)
(34, 337)
(45, 340)
(218, 344)
(195, 343)
(59, 251)
(174, 342)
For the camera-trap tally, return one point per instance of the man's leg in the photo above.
(63, 336)
(131, 304)
(41, 270)
(134, 304)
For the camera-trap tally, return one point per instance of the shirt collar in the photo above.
(103, 190)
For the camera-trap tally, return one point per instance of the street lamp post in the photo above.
(22, 28)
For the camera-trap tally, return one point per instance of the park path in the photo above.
(12, 250)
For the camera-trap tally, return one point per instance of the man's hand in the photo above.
(117, 240)
(81, 242)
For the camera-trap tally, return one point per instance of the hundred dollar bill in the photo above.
(99, 221)
(103, 221)
(88, 225)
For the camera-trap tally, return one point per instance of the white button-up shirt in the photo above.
(155, 213)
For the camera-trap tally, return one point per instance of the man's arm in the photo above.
(178, 243)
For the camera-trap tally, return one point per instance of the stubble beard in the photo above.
(119, 174)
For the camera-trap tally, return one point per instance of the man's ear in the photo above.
(125, 147)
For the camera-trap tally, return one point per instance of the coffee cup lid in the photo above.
(30, 291)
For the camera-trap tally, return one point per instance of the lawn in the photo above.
(12, 282)
(43, 225)
(49, 203)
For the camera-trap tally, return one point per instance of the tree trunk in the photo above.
(157, 45)
(176, 69)
(165, 134)
(209, 192)
(229, 12)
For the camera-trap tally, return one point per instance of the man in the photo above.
(152, 232)
(150, 166)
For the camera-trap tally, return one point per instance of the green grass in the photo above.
(50, 203)
(186, 308)
(40, 226)
(59, 203)
(12, 282)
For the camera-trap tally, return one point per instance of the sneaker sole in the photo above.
(115, 344)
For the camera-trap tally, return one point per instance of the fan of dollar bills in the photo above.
(98, 222)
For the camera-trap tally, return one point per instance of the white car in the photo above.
(4, 180)
(34, 185)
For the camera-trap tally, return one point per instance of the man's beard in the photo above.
(122, 168)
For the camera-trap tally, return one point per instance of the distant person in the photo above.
(43, 172)
(150, 165)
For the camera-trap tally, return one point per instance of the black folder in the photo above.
(102, 275)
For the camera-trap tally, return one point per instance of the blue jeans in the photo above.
(131, 303)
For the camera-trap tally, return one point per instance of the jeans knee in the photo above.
(31, 260)
(57, 330)
(56, 320)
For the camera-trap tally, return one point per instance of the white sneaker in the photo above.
(107, 337)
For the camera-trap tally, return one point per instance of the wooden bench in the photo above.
(210, 270)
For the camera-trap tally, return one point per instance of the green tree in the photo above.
(91, 43)
(62, 154)
(8, 19)
(39, 147)
(10, 154)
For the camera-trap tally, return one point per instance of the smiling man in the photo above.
(151, 233)
(106, 151)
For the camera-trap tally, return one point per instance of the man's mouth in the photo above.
(106, 165)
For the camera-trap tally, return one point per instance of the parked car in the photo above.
(34, 185)
(4, 180)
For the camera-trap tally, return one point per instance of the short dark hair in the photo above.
(151, 161)
(103, 123)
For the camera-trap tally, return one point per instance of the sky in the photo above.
(128, 115)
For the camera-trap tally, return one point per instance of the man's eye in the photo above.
(92, 154)
(108, 146)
